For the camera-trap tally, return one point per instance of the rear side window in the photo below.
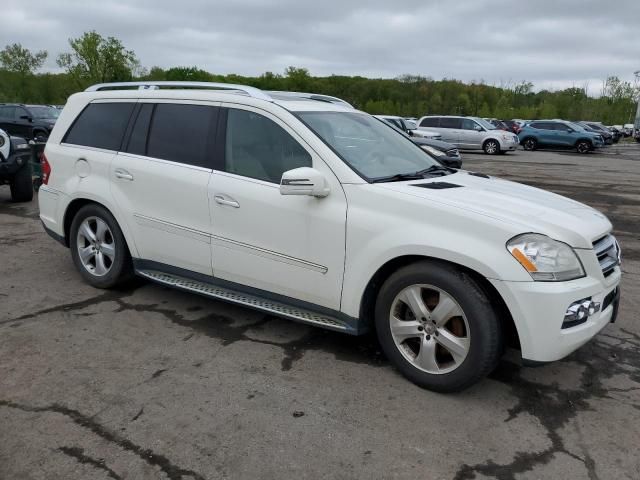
(446, 122)
(7, 112)
(100, 125)
(430, 122)
(181, 133)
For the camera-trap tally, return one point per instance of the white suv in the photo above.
(308, 209)
(470, 133)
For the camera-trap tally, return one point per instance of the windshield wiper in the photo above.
(398, 177)
(420, 174)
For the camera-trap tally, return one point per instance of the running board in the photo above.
(256, 302)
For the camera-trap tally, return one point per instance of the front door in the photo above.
(292, 246)
(160, 183)
(450, 128)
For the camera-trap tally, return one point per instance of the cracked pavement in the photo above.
(148, 382)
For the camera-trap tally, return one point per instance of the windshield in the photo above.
(44, 112)
(485, 124)
(367, 145)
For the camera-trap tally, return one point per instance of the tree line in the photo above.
(93, 58)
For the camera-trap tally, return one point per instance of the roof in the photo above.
(295, 101)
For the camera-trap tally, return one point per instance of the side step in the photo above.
(256, 302)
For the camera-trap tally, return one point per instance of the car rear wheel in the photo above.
(491, 147)
(530, 144)
(437, 326)
(21, 186)
(583, 147)
(98, 247)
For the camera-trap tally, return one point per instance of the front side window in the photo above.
(257, 147)
(367, 145)
(100, 125)
(181, 133)
(469, 124)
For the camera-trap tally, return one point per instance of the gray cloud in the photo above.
(553, 43)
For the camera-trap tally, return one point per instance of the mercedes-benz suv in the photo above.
(313, 211)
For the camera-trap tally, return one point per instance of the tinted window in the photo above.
(138, 139)
(257, 147)
(430, 122)
(181, 133)
(542, 125)
(469, 124)
(446, 122)
(7, 112)
(560, 127)
(100, 125)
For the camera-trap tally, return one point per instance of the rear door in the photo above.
(159, 182)
(451, 130)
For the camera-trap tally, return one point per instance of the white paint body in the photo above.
(325, 250)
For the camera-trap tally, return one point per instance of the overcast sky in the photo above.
(553, 43)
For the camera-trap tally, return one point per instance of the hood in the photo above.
(528, 209)
(437, 144)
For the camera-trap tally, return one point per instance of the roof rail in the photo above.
(311, 96)
(154, 85)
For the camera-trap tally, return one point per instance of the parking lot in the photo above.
(151, 383)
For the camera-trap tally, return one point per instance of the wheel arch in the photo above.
(370, 294)
(583, 139)
(74, 207)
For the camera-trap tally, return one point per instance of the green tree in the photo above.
(95, 59)
(16, 58)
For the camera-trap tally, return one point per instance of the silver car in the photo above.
(470, 133)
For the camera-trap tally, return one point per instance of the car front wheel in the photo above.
(583, 147)
(491, 147)
(437, 327)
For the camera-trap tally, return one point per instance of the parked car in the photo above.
(27, 121)
(558, 134)
(514, 126)
(470, 133)
(15, 169)
(627, 129)
(637, 135)
(617, 134)
(598, 129)
(443, 152)
(319, 213)
(409, 127)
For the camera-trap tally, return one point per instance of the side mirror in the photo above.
(478, 128)
(304, 181)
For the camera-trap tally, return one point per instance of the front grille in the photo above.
(608, 253)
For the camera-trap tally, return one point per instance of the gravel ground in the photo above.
(149, 383)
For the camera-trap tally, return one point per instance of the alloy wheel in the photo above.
(429, 328)
(96, 246)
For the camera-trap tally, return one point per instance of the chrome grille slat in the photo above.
(606, 250)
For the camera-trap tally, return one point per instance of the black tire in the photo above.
(21, 186)
(491, 147)
(583, 146)
(485, 334)
(530, 144)
(121, 268)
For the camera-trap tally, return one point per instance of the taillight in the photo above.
(46, 169)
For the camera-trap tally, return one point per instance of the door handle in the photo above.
(230, 202)
(123, 174)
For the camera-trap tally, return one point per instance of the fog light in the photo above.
(578, 312)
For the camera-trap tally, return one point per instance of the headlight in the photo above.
(544, 258)
(433, 151)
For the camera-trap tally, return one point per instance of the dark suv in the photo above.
(558, 134)
(27, 121)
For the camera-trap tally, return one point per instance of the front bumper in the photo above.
(538, 310)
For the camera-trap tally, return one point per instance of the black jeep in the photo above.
(15, 168)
